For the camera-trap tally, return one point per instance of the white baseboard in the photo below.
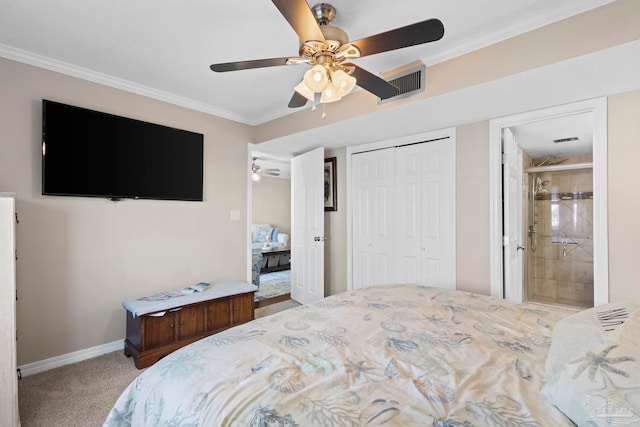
(66, 359)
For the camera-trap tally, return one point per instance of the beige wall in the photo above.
(624, 195)
(271, 203)
(472, 208)
(78, 258)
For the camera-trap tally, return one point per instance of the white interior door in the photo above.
(307, 226)
(373, 213)
(513, 247)
(425, 176)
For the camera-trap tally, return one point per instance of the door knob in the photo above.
(520, 248)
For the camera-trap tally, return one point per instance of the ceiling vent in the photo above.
(558, 141)
(408, 79)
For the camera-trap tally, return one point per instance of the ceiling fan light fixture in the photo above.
(316, 78)
(255, 177)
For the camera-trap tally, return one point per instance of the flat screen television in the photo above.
(93, 154)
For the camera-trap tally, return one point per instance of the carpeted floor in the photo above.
(274, 284)
(81, 394)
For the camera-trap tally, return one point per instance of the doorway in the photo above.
(557, 195)
(269, 218)
(507, 242)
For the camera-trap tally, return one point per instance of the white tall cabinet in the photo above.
(403, 214)
(8, 373)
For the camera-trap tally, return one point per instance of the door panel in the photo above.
(218, 314)
(191, 322)
(426, 220)
(512, 181)
(242, 308)
(438, 218)
(373, 182)
(408, 252)
(307, 248)
(159, 330)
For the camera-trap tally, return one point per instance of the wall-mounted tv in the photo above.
(94, 154)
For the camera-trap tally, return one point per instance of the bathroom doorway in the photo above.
(558, 219)
(559, 239)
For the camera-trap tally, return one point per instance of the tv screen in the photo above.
(94, 154)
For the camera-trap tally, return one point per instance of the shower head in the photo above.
(539, 184)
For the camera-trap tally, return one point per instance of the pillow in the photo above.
(263, 234)
(580, 332)
(255, 228)
(600, 385)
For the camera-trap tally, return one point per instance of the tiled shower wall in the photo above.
(561, 269)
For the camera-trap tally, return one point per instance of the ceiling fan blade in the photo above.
(411, 35)
(372, 83)
(297, 100)
(247, 65)
(301, 19)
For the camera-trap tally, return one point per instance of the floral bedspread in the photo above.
(400, 355)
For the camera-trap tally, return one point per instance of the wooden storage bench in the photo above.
(184, 319)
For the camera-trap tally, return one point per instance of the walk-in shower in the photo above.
(559, 262)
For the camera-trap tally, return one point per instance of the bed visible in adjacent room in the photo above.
(400, 355)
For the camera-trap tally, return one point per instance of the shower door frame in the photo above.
(501, 286)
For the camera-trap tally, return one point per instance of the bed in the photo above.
(400, 355)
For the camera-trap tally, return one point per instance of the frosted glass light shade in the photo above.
(303, 90)
(330, 94)
(343, 82)
(316, 78)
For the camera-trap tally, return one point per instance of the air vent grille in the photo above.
(573, 138)
(409, 82)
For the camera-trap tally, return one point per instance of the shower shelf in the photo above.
(565, 240)
(576, 195)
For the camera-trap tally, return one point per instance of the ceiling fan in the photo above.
(257, 172)
(327, 49)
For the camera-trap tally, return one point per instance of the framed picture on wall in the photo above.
(330, 197)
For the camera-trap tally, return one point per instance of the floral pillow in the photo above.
(600, 386)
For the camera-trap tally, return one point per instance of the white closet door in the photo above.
(373, 182)
(425, 176)
(438, 214)
(409, 221)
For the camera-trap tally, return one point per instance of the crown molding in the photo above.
(41, 61)
(509, 30)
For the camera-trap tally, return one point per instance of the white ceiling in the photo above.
(537, 138)
(163, 48)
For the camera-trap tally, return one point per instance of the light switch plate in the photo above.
(235, 215)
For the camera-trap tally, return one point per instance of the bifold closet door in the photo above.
(373, 214)
(425, 202)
